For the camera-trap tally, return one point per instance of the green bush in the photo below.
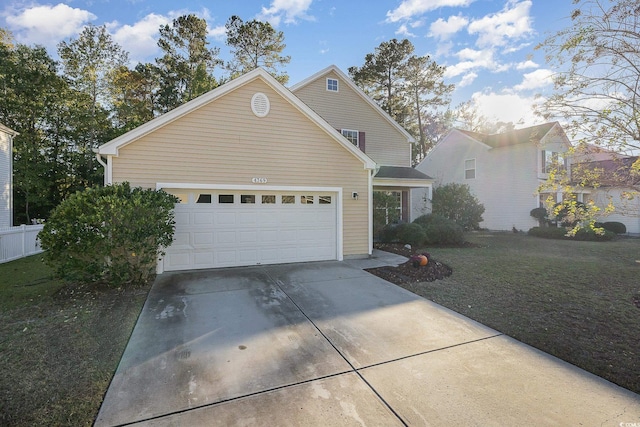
(110, 234)
(584, 234)
(541, 215)
(412, 234)
(615, 227)
(570, 213)
(455, 202)
(441, 231)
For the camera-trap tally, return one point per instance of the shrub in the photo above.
(110, 234)
(412, 234)
(440, 230)
(584, 234)
(541, 215)
(569, 214)
(615, 227)
(455, 202)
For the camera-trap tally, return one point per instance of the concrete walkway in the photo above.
(327, 344)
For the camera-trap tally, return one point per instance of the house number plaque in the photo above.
(259, 180)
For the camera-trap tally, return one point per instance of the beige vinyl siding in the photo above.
(223, 142)
(345, 109)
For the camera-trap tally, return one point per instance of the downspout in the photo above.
(104, 165)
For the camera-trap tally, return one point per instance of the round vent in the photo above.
(260, 104)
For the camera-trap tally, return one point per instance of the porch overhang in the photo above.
(401, 177)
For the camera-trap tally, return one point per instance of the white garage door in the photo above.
(236, 228)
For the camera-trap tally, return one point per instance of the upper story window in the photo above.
(552, 161)
(332, 85)
(351, 135)
(470, 169)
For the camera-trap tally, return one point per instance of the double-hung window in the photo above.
(470, 169)
(551, 161)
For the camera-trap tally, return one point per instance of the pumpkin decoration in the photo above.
(419, 260)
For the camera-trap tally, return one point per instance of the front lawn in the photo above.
(579, 301)
(59, 345)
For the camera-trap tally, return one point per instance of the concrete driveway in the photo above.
(327, 344)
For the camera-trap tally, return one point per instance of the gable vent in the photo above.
(260, 104)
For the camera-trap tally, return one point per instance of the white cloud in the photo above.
(444, 29)
(506, 107)
(536, 79)
(47, 25)
(403, 30)
(511, 23)
(526, 64)
(289, 10)
(467, 79)
(410, 8)
(141, 38)
(471, 59)
(219, 33)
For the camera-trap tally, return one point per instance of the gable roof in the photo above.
(357, 90)
(7, 130)
(613, 172)
(112, 147)
(514, 137)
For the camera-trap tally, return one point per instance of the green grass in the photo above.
(25, 282)
(59, 345)
(575, 300)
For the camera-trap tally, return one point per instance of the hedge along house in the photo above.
(261, 178)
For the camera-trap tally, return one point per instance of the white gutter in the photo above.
(104, 165)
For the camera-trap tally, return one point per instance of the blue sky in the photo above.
(486, 45)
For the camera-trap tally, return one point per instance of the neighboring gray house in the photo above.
(6, 176)
(503, 171)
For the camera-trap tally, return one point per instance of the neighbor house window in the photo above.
(470, 169)
(551, 160)
(351, 135)
(332, 85)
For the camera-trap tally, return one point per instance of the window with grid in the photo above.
(470, 169)
(332, 85)
(351, 135)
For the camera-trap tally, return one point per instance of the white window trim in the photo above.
(357, 136)
(337, 85)
(474, 169)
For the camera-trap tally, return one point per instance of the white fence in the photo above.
(19, 242)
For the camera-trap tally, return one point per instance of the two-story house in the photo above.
(339, 101)
(269, 175)
(6, 176)
(503, 171)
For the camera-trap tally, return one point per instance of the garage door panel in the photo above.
(222, 219)
(248, 237)
(203, 218)
(202, 238)
(210, 235)
(225, 237)
(203, 259)
(181, 239)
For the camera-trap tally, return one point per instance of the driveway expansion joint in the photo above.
(354, 369)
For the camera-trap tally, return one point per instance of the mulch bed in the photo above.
(409, 272)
